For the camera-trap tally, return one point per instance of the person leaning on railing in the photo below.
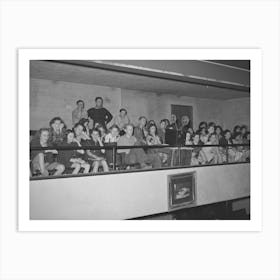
(72, 159)
(43, 161)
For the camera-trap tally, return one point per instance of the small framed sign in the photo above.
(181, 190)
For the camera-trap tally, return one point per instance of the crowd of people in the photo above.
(90, 134)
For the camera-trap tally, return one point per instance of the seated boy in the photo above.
(43, 160)
(136, 155)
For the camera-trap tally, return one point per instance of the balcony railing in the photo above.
(178, 156)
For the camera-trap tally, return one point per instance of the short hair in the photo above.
(127, 125)
(163, 120)
(203, 123)
(83, 121)
(236, 134)
(81, 101)
(123, 109)
(77, 124)
(236, 127)
(114, 126)
(98, 97)
(142, 117)
(218, 126)
(41, 130)
(211, 124)
(56, 119)
(226, 131)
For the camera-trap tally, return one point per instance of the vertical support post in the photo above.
(114, 157)
(227, 153)
(179, 156)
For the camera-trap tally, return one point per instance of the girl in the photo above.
(102, 131)
(188, 140)
(161, 131)
(85, 123)
(153, 139)
(43, 160)
(197, 153)
(96, 155)
(72, 158)
(212, 154)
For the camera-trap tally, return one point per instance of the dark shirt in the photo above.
(93, 144)
(139, 135)
(57, 139)
(64, 156)
(35, 143)
(100, 115)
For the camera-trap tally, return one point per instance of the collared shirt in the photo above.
(126, 141)
(77, 115)
(111, 139)
(121, 122)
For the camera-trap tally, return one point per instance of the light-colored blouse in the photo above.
(121, 122)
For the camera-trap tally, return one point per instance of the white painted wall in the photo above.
(124, 196)
(55, 98)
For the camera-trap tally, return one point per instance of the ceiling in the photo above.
(243, 64)
(78, 74)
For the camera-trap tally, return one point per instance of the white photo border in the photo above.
(24, 57)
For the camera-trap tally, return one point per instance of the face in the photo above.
(95, 135)
(152, 129)
(80, 105)
(162, 125)
(173, 118)
(143, 121)
(218, 131)
(243, 130)
(99, 103)
(190, 130)
(196, 138)
(228, 135)
(129, 130)
(203, 138)
(237, 129)
(56, 125)
(123, 113)
(78, 130)
(248, 136)
(70, 137)
(115, 132)
(211, 129)
(203, 125)
(44, 136)
(185, 120)
(86, 124)
(188, 136)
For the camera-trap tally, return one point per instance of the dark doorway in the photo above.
(182, 110)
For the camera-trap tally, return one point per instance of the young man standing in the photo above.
(98, 114)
